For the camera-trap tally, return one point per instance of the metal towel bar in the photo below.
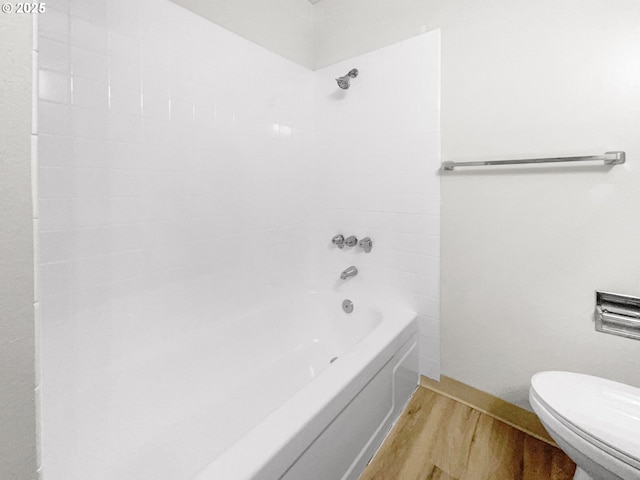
(609, 158)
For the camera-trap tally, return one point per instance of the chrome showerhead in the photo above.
(344, 82)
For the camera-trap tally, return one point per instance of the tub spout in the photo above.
(349, 272)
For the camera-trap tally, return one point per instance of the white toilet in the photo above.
(595, 421)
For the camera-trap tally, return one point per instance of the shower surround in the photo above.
(187, 177)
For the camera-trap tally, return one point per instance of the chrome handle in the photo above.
(351, 241)
(338, 241)
(366, 244)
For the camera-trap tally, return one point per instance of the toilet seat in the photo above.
(604, 413)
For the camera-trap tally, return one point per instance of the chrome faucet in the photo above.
(349, 272)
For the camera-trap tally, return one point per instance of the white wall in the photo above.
(169, 151)
(285, 27)
(523, 252)
(377, 149)
(17, 373)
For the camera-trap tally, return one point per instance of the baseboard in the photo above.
(506, 412)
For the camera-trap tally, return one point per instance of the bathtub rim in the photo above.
(277, 441)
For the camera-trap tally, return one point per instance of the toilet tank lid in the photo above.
(603, 409)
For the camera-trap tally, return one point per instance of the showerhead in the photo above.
(344, 82)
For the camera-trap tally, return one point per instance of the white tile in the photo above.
(419, 244)
(90, 93)
(55, 213)
(415, 263)
(182, 136)
(125, 47)
(428, 307)
(418, 224)
(55, 151)
(153, 54)
(93, 182)
(429, 348)
(57, 246)
(88, 35)
(88, 123)
(55, 308)
(182, 112)
(126, 264)
(54, 24)
(429, 327)
(88, 272)
(125, 98)
(123, 128)
(89, 242)
(124, 17)
(54, 118)
(60, 5)
(124, 155)
(431, 204)
(88, 64)
(88, 152)
(429, 368)
(156, 99)
(90, 212)
(55, 279)
(155, 22)
(420, 284)
(53, 55)
(123, 71)
(92, 11)
(56, 182)
(155, 131)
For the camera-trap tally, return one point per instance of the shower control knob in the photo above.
(366, 244)
(338, 241)
(351, 241)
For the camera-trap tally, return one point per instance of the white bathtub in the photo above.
(253, 396)
(335, 414)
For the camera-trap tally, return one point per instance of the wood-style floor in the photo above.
(438, 438)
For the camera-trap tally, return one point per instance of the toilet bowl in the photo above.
(596, 422)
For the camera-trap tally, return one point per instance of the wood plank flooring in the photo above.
(438, 438)
(493, 406)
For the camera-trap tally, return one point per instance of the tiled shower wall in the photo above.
(378, 157)
(169, 152)
(186, 175)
